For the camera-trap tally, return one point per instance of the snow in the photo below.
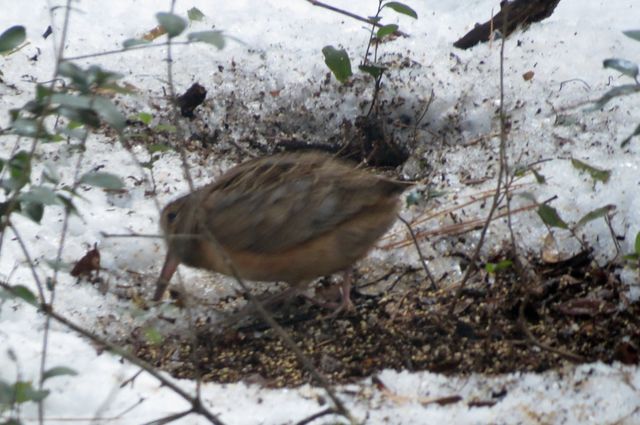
(279, 50)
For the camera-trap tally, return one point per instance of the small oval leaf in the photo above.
(386, 30)
(597, 174)
(12, 38)
(211, 37)
(103, 180)
(634, 34)
(550, 217)
(627, 67)
(24, 392)
(595, 214)
(401, 8)
(33, 210)
(109, 113)
(24, 293)
(626, 141)
(132, 42)
(338, 62)
(373, 70)
(622, 90)
(173, 24)
(58, 371)
(42, 195)
(195, 14)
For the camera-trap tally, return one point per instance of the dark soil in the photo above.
(576, 311)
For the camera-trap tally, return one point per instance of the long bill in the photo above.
(168, 269)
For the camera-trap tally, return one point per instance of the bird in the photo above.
(291, 217)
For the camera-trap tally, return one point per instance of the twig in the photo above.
(170, 418)
(498, 190)
(197, 405)
(309, 419)
(417, 245)
(282, 334)
(456, 228)
(523, 325)
(352, 15)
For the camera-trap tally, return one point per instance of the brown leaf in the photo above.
(88, 263)
(154, 33)
(627, 353)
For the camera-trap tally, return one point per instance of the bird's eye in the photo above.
(171, 216)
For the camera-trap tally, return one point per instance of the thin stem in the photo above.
(352, 15)
(197, 406)
(282, 334)
(417, 245)
(129, 49)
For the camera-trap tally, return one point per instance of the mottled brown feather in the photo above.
(289, 217)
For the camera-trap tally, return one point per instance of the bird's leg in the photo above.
(345, 304)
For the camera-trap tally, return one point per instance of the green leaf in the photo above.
(623, 90)
(627, 67)
(58, 371)
(42, 195)
(634, 34)
(626, 141)
(26, 127)
(413, 198)
(173, 24)
(58, 264)
(386, 30)
(109, 113)
(73, 101)
(166, 127)
(373, 70)
(101, 77)
(637, 244)
(595, 214)
(158, 147)
(69, 205)
(145, 117)
(539, 177)
(6, 390)
(76, 74)
(12, 38)
(74, 133)
(19, 171)
(132, 42)
(597, 174)
(550, 217)
(24, 293)
(211, 37)
(401, 8)
(86, 117)
(338, 62)
(42, 92)
(33, 210)
(494, 268)
(24, 392)
(103, 180)
(153, 337)
(194, 14)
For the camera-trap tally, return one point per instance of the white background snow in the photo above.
(281, 50)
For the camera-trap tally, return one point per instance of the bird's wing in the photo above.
(272, 207)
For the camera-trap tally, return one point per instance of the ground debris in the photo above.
(581, 309)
